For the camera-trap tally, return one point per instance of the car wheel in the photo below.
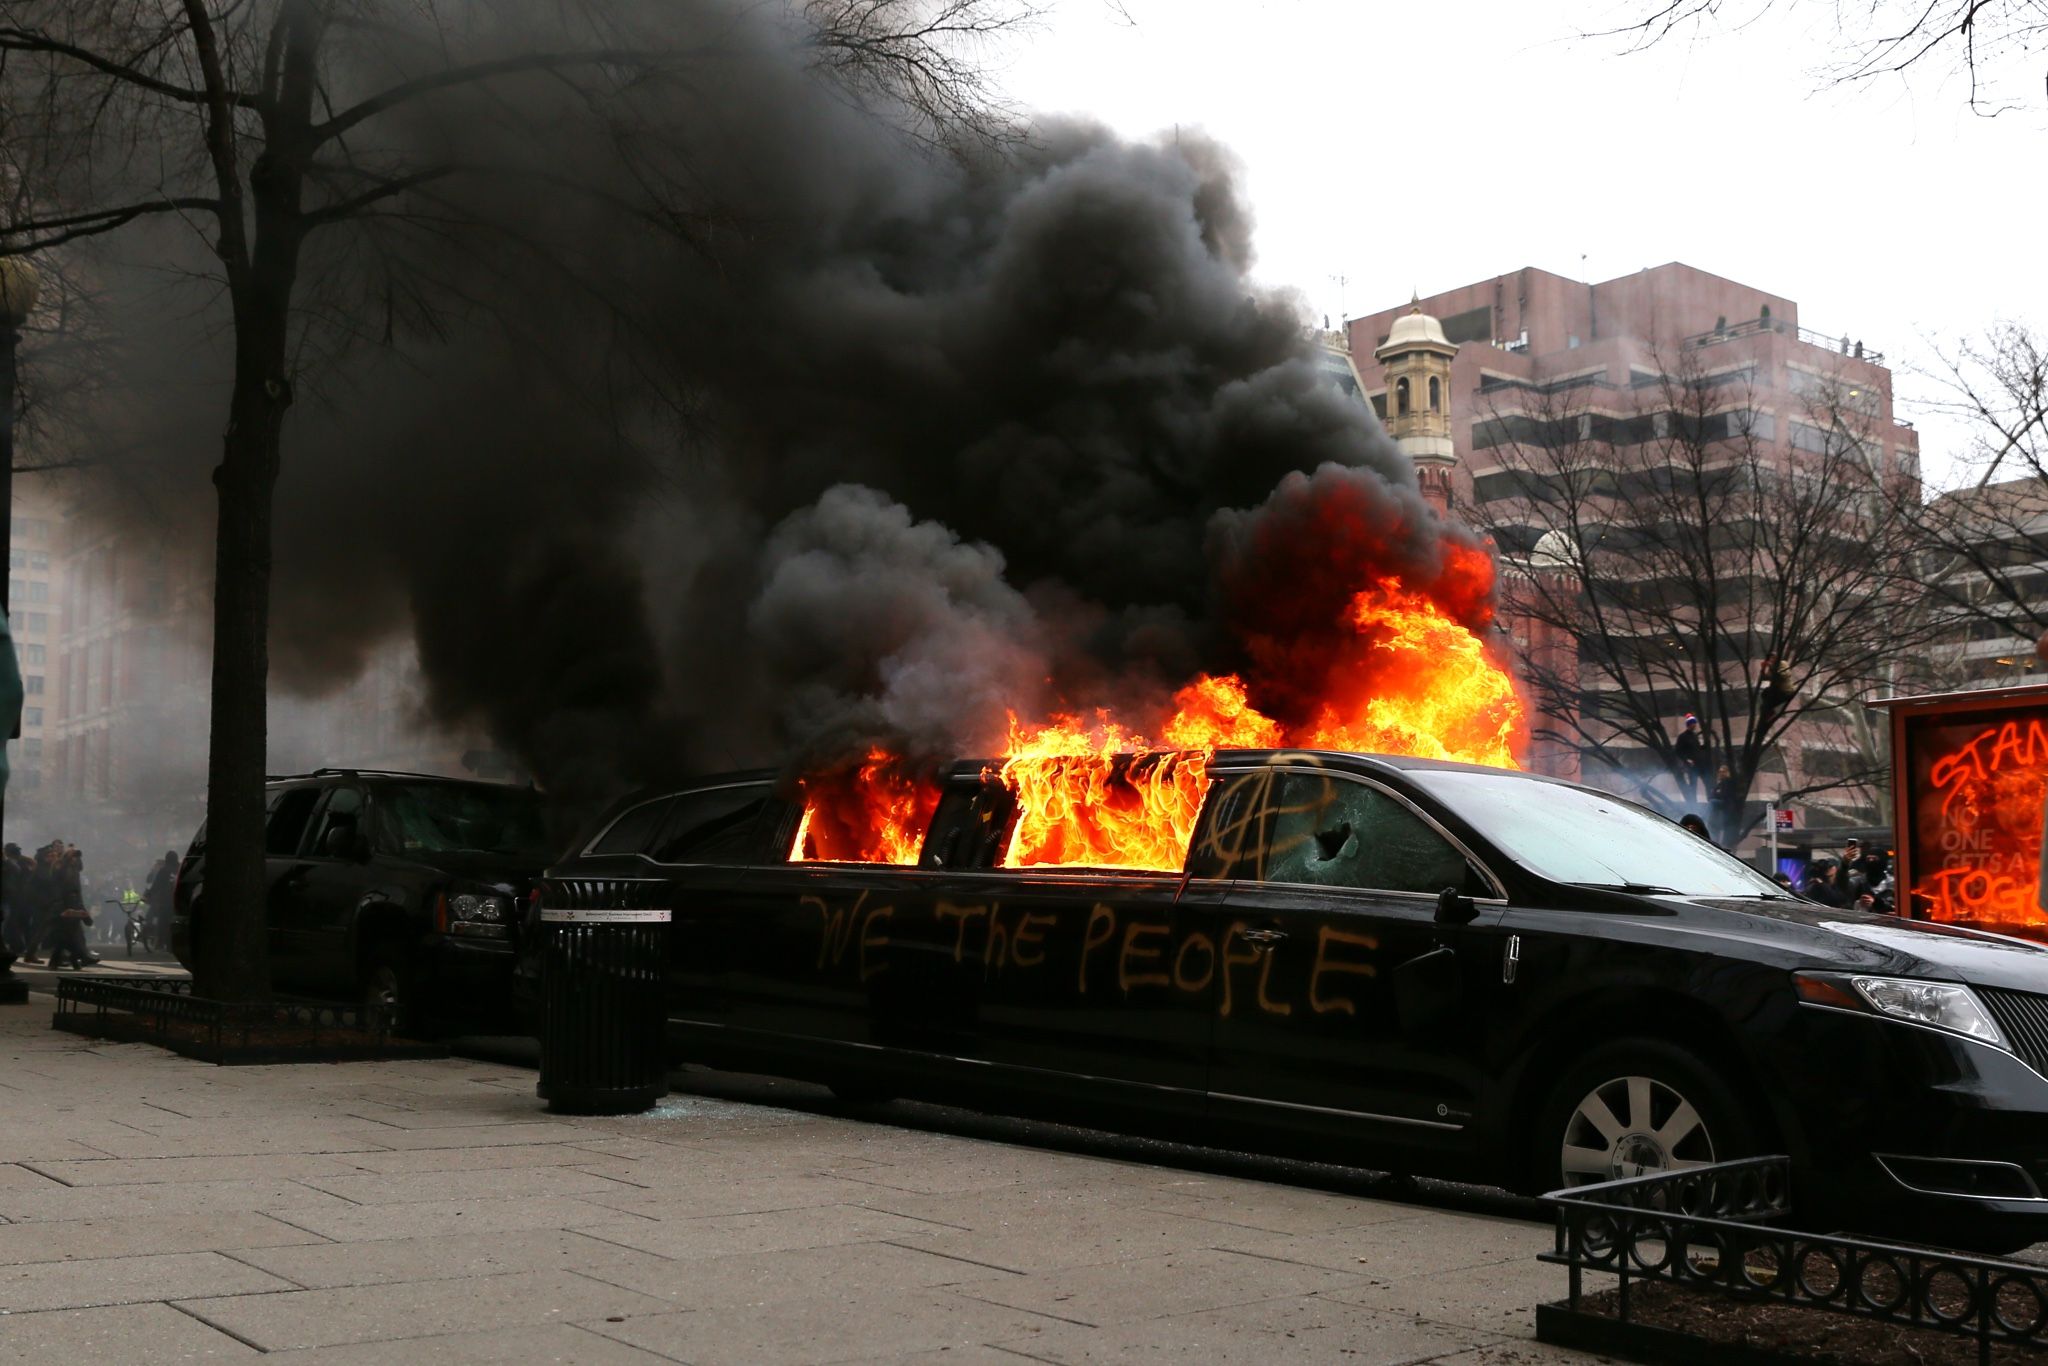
(1635, 1109)
(390, 1001)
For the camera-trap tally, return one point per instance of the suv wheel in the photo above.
(389, 1002)
(1634, 1109)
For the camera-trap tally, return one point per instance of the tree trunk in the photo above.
(233, 936)
(232, 939)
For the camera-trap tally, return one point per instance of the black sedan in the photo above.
(1414, 966)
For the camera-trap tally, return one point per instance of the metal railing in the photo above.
(158, 1004)
(1705, 1228)
(1750, 327)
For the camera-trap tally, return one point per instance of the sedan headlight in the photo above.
(1941, 1005)
(1938, 1005)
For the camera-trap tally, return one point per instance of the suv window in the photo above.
(343, 811)
(634, 831)
(722, 825)
(412, 818)
(287, 825)
(1328, 830)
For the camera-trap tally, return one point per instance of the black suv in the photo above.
(399, 889)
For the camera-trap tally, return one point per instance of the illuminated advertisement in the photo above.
(1972, 779)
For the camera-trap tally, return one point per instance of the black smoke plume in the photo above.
(783, 433)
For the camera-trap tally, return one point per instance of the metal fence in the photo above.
(161, 1006)
(1705, 1228)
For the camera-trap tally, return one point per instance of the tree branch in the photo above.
(74, 226)
(479, 72)
(30, 40)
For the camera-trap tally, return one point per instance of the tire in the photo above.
(1636, 1107)
(390, 997)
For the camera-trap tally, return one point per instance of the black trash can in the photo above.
(602, 1050)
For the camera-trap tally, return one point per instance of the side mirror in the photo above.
(1455, 908)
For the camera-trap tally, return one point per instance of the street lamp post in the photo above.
(18, 286)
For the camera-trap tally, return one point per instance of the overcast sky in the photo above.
(1427, 145)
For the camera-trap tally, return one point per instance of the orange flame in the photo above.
(875, 813)
(1410, 680)
(1213, 713)
(1434, 694)
(1100, 798)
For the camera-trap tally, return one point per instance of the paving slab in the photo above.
(1400, 1248)
(1040, 1231)
(558, 1345)
(149, 1171)
(60, 1203)
(1151, 1287)
(317, 1318)
(800, 1273)
(1306, 1328)
(128, 1280)
(675, 1191)
(588, 1156)
(848, 1325)
(1499, 1297)
(152, 1333)
(321, 1266)
(773, 1231)
(89, 1239)
(409, 1188)
(344, 1222)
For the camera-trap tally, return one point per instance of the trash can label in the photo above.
(564, 915)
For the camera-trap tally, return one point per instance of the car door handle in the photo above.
(1262, 936)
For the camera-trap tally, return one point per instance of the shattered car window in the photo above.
(1334, 832)
(447, 818)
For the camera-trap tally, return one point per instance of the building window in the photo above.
(1400, 398)
(33, 654)
(1435, 395)
(31, 716)
(32, 684)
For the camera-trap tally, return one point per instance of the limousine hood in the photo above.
(1860, 942)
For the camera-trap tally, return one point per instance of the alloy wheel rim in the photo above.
(1632, 1126)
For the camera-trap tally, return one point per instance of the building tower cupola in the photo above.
(1417, 357)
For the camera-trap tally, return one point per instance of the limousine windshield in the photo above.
(1591, 839)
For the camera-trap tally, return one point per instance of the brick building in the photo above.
(1516, 351)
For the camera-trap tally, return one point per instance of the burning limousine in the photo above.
(1406, 964)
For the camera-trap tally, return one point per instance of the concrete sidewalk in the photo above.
(153, 1208)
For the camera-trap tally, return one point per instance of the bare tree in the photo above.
(1986, 541)
(1985, 42)
(1687, 555)
(285, 133)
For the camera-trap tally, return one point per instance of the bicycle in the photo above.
(136, 928)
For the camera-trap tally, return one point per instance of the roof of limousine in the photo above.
(962, 767)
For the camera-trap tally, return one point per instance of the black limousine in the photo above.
(1408, 965)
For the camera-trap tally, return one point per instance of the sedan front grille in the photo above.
(2023, 1018)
